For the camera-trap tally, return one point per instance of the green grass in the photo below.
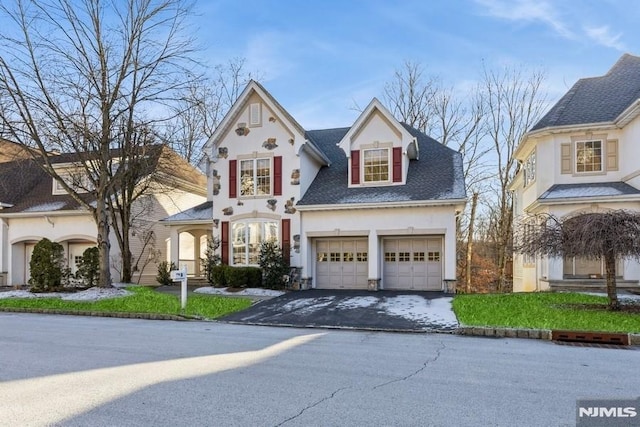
(543, 311)
(143, 300)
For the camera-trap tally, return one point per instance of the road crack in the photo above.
(417, 371)
(313, 405)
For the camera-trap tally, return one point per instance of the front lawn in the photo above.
(143, 300)
(545, 310)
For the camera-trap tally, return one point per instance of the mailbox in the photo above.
(177, 275)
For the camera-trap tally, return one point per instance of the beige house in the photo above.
(33, 206)
(582, 156)
(371, 206)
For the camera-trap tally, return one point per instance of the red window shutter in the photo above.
(224, 242)
(397, 164)
(233, 179)
(277, 176)
(355, 167)
(286, 240)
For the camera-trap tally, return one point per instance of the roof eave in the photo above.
(377, 205)
(630, 113)
(78, 212)
(578, 200)
(310, 148)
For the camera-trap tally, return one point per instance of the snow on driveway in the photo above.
(429, 312)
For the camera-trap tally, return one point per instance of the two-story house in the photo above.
(582, 156)
(33, 206)
(371, 206)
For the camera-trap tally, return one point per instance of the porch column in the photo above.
(197, 235)
(555, 268)
(174, 236)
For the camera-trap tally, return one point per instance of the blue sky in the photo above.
(320, 57)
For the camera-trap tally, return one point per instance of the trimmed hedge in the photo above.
(237, 277)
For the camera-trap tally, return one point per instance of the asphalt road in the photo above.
(77, 371)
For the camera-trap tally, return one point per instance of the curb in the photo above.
(147, 316)
(540, 334)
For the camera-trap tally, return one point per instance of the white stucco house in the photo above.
(34, 206)
(582, 156)
(371, 206)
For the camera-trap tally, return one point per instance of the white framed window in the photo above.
(530, 169)
(247, 236)
(589, 156)
(255, 114)
(255, 177)
(376, 165)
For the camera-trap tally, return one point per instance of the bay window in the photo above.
(246, 237)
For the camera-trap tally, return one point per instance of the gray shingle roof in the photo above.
(202, 212)
(600, 189)
(436, 176)
(597, 99)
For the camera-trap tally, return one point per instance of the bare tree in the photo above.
(608, 235)
(202, 105)
(83, 76)
(513, 102)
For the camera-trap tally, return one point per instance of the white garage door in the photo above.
(342, 264)
(413, 264)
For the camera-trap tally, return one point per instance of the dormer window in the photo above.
(79, 182)
(376, 165)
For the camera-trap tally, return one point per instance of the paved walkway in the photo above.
(382, 310)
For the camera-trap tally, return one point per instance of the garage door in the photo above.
(413, 264)
(341, 264)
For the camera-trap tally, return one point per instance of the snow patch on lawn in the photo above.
(256, 292)
(91, 294)
(429, 312)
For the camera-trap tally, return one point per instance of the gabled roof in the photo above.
(28, 188)
(229, 119)
(361, 122)
(437, 176)
(580, 191)
(597, 99)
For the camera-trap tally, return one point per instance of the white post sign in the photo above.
(181, 276)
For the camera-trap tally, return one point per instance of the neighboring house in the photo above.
(10, 151)
(33, 206)
(582, 156)
(372, 206)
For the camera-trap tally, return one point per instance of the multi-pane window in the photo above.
(404, 256)
(247, 238)
(322, 257)
(418, 256)
(348, 257)
(255, 177)
(376, 165)
(589, 156)
(530, 169)
(390, 256)
(362, 257)
(433, 256)
(335, 257)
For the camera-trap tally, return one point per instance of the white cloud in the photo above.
(528, 11)
(602, 35)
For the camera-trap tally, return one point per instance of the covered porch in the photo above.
(189, 232)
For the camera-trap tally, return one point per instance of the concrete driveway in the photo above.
(382, 310)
